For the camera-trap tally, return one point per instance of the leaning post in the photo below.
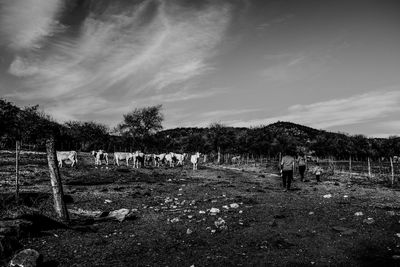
(55, 179)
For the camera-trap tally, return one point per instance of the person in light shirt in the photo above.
(287, 169)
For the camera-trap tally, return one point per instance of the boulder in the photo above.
(27, 258)
(119, 215)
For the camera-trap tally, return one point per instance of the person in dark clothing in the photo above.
(287, 167)
(318, 172)
(302, 163)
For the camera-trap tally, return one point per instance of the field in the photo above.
(260, 225)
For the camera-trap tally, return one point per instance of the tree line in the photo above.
(141, 129)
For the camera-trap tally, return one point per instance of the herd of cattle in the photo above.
(137, 158)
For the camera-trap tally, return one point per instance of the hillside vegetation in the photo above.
(32, 126)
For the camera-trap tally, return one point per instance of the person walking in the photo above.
(287, 168)
(302, 163)
(318, 172)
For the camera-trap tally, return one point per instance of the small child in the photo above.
(318, 171)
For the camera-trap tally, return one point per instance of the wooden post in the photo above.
(350, 166)
(17, 150)
(369, 169)
(392, 170)
(219, 156)
(55, 179)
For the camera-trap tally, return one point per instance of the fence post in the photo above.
(219, 156)
(369, 169)
(392, 170)
(55, 179)
(17, 150)
(350, 166)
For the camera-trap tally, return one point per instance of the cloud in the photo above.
(24, 23)
(357, 109)
(118, 56)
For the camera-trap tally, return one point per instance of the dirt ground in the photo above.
(174, 226)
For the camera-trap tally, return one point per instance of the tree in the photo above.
(141, 123)
(90, 135)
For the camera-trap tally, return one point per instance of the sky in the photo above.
(327, 64)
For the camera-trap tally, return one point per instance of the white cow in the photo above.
(67, 155)
(180, 158)
(99, 156)
(235, 159)
(169, 158)
(122, 156)
(159, 159)
(195, 159)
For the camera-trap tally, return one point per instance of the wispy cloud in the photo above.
(24, 23)
(338, 112)
(125, 53)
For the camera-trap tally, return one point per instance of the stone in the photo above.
(27, 258)
(119, 215)
(344, 230)
(234, 205)
(214, 211)
(369, 221)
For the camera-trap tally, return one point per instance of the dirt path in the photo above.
(269, 227)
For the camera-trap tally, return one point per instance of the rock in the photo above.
(202, 212)
(214, 211)
(396, 257)
(174, 220)
(369, 221)
(120, 214)
(8, 245)
(220, 224)
(188, 231)
(107, 201)
(225, 207)
(311, 213)
(327, 196)
(358, 213)
(344, 230)
(234, 205)
(27, 258)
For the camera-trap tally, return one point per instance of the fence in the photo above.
(374, 170)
